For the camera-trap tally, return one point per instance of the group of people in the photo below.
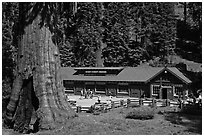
(87, 93)
(195, 99)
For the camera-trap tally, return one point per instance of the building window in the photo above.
(156, 90)
(178, 91)
(123, 89)
(90, 87)
(69, 89)
(68, 86)
(95, 73)
(100, 89)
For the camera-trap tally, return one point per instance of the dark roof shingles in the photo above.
(136, 74)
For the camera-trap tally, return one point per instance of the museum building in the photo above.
(142, 81)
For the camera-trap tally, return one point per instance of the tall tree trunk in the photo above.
(38, 84)
(99, 60)
(98, 53)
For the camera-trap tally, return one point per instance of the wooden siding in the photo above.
(168, 82)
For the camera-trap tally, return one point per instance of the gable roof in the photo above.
(179, 75)
(128, 74)
(138, 74)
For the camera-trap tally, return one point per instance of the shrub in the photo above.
(192, 110)
(142, 113)
(6, 92)
(134, 105)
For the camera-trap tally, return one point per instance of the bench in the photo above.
(74, 108)
(174, 103)
(83, 108)
(115, 104)
(147, 102)
(160, 103)
(72, 102)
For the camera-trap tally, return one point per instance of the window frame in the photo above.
(153, 87)
(123, 89)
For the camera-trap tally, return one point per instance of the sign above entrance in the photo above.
(89, 83)
(100, 83)
(166, 86)
(123, 83)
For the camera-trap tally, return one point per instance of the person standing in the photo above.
(82, 93)
(99, 99)
(91, 94)
(85, 94)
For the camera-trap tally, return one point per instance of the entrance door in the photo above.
(164, 93)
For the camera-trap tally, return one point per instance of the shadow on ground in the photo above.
(193, 123)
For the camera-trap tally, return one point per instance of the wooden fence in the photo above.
(151, 102)
(73, 105)
(132, 102)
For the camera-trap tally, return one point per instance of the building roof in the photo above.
(179, 75)
(98, 68)
(128, 74)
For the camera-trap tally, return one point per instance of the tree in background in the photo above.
(9, 48)
(189, 32)
(122, 49)
(127, 32)
(157, 30)
(142, 30)
(87, 36)
(9, 45)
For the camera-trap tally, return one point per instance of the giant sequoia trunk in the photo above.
(37, 85)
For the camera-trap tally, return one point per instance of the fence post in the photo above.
(78, 109)
(167, 102)
(112, 104)
(180, 103)
(128, 102)
(102, 108)
(140, 101)
(121, 102)
(164, 102)
(153, 102)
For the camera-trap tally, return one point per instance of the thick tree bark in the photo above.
(38, 81)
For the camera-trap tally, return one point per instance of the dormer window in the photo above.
(95, 72)
(98, 71)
